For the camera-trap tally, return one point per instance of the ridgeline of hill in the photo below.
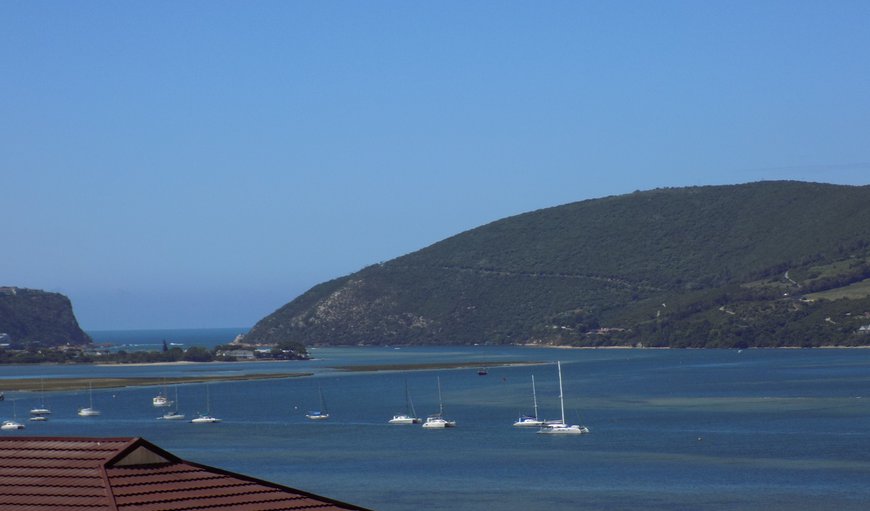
(759, 264)
(34, 318)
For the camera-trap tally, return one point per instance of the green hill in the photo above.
(34, 318)
(703, 266)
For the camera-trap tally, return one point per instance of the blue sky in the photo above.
(199, 164)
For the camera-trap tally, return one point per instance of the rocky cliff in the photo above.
(29, 317)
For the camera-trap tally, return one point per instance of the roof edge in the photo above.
(339, 503)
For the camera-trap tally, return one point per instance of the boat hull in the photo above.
(529, 422)
(439, 424)
(205, 420)
(404, 419)
(564, 430)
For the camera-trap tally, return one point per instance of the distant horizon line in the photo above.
(244, 329)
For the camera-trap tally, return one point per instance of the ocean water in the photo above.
(670, 429)
(151, 340)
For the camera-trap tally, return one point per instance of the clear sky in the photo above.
(199, 164)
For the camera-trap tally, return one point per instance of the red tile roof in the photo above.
(131, 474)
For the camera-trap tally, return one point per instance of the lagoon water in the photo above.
(671, 429)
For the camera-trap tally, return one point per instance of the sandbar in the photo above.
(62, 384)
(430, 366)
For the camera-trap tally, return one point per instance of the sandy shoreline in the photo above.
(64, 384)
(182, 363)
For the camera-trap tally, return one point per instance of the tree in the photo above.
(197, 354)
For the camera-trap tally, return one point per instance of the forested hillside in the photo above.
(760, 264)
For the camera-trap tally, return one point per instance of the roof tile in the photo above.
(130, 474)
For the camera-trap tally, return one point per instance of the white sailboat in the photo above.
(530, 420)
(39, 413)
(410, 417)
(12, 424)
(561, 428)
(206, 418)
(437, 421)
(321, 414)
(174, 414)
(90, 411)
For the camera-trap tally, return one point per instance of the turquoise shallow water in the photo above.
(671, 429)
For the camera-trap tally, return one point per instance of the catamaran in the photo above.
(206, 418)
(90, 411)
(8, 425)
(410, 417)
(323, 413)
(531, 420)
(174, 414)
(437, 421)
(12, 424)
(561, 428)
(39, 413)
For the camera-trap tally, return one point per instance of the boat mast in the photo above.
(322, 401)
(42, 392)
(409, 402)
(440, 403)
(535, 396)
(561, 394)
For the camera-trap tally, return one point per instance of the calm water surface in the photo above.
(671, 429)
